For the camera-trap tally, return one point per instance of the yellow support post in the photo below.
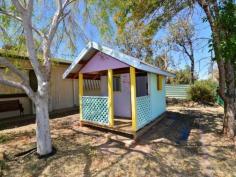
(81, 93)
(133, 98)
(160, 82)
(110, 98)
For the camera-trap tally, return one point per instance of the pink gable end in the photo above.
(101, 62)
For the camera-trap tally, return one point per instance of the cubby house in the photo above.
(131, 92)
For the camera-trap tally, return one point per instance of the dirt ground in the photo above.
(187, 142)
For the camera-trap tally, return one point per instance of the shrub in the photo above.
(204, 91)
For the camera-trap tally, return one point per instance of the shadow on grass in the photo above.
(19, 121)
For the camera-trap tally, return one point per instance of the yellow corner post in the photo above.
(160, 82)
(81, 92)
(133, 98)
(110, 98)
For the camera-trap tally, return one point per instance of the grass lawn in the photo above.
(186, 143)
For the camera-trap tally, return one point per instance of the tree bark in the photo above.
(43, 136)
(192, 71)
(229, 122)
(229, 126)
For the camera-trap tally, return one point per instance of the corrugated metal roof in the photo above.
(94, 47)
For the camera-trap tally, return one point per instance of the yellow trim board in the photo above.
(160, 82)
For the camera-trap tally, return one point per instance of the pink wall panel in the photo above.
(101, 62)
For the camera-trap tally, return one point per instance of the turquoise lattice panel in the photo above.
(95, 109)
(143, 111)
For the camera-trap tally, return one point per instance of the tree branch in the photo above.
(21, 86)
(9, 65)
(205, 7)
(26, 16)
(40, 33)
(10, 15)
(185, 50)
(57, 18)
(11, 83)
(19, 7)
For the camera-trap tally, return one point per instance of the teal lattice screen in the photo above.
(95, 109)
(143, 111)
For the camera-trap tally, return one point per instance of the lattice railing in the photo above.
(95, 109)
(143, 111)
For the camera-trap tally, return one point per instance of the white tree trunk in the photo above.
(43, 136)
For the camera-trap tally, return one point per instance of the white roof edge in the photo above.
(119, 56)
(76, 61)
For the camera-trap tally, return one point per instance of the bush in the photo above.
(203, 91)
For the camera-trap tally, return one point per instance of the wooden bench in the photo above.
(11, 105)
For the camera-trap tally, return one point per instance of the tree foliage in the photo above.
(132, 41)
(204, 91)
(227, 23)
(183, 76)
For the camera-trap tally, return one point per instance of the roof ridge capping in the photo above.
(132, 61)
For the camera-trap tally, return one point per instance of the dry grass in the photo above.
(163, 151)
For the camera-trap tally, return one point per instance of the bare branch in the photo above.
(63, 16)
(26, 15)
(205, 7)
(30, 6)
(11, 83)
(9, 65)
(10, 15)
(21, 86)
(19, 7)
(57, 18)
(68, 2)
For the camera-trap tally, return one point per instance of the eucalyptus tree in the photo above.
(181, 38)
(43, 23)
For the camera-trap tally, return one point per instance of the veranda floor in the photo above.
(123, 126)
